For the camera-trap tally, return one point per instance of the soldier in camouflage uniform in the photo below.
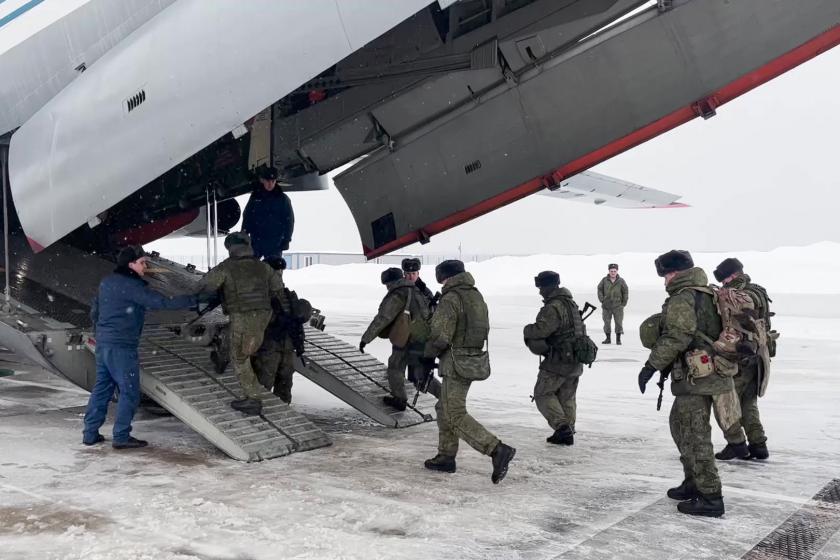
(557, 381)
(689, 321)
(393, 304)
(427, 300)
(730, 273)
(459, 330)
(274, 361)
(247, 287)
(613, 294)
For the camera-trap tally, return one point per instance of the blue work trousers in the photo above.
(116, 367)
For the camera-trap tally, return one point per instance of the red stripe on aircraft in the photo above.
(742, 85)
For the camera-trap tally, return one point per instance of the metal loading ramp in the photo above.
(358, 379)
(176, 374)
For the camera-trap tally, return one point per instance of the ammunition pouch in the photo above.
(471, 364)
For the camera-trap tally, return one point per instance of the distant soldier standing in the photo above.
(558, 379)
(459, 331)
(613, 294)
(688, 325)
(247, 287)
(268, 217)
(401, 297)
(752, 372)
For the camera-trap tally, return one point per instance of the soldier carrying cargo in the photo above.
(688, 325)
(246, 287)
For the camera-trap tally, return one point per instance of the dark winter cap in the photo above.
(277, 263)
(268, 173)
(547, 279)
(612, 266)
(727, 268)
(391, 275)
(673, 261)
(448, 269)
(411, 265)
(130, 254)
(237, 238)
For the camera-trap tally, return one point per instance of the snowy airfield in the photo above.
(368, 496)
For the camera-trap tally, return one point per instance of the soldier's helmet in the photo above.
(727, 268)
(391, 275)
(301, 309)
(411, 265)
(275, 262)
(649, 330)
(237, 238)
(547, 279)
(448, 269)
(267, 173)
(673, 261)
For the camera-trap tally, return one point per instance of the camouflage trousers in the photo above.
(408, 357)
(275, 367)
(246, 335)
(554, 396)
(692, 433)
(749, 428)
(618, 315)
(455, 423)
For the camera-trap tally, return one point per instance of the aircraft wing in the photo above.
(196, 71)
(598, 189)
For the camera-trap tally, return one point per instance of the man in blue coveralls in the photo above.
(118, 314)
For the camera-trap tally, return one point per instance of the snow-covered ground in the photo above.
(368, 496)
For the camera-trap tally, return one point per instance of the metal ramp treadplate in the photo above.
(358, 379)
(176, 374)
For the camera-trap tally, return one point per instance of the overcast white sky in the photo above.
(765, 172)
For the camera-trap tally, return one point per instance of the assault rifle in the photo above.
(587, 307)
(663, 375)
(425, 379)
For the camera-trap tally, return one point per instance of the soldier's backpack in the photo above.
(575, 346)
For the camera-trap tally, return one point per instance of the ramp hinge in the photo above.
(706, 108)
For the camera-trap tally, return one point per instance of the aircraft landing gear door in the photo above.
(4, 182)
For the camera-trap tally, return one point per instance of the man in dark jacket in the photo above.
(118, 313)
(557, 382)
(689, 323)
(268, 218)
(613, 294)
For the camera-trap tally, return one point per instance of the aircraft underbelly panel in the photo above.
(187, 77)
(561, 116)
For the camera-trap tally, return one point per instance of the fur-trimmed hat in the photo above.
(391, 275)
(727, 268)
(673, 261)
(237, 238)
(129, 255)
(547, 279)
(411, 265)
(612, 266)
(448, 269)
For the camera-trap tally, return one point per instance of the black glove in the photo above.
(428, 363)
(645, 375)
(362, 345)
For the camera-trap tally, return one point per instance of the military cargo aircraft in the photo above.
(122, 121)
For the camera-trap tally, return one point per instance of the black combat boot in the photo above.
(618, 339)
(758, 451)
(733, 450)
(443, 463)
(502, 455)
(705, 506)
(249, 407)
(562, 436)
(685, 491)
(394, 402)
(607, 340)
(220, 363)
(130, 443)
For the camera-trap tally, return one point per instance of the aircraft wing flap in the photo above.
(598, 189)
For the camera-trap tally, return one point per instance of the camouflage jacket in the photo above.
(459, 329)
(393, 304)
(244, 283)
(685, 313)
(613, 294)
(553, 321)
